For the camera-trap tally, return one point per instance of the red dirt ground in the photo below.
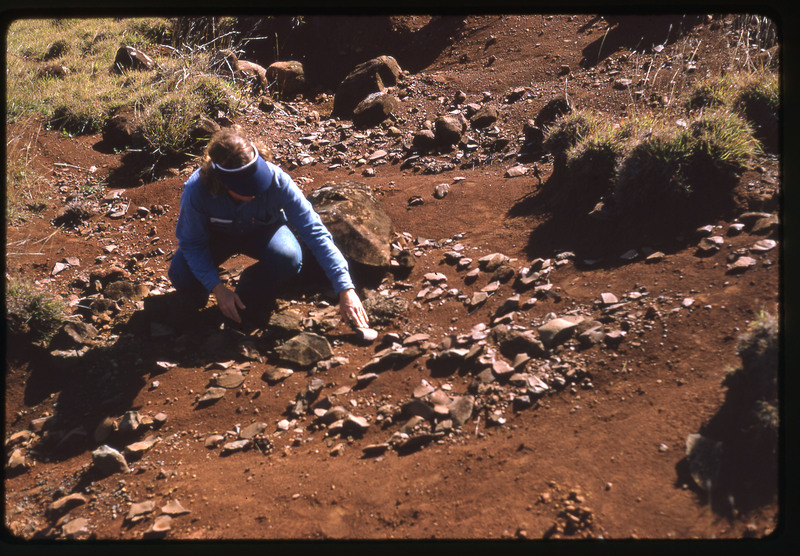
(487, 483)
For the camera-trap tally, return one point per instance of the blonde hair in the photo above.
(228, 148)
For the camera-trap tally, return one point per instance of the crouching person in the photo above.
(238, 202)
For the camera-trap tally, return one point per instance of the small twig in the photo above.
(477, 424)
(46, 239)
(69, 165)
(24, 253)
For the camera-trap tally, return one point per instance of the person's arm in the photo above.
(194, 240)
(194, 237)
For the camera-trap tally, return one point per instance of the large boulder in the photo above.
(374, 109)
(355, 217)
(129, 58)
(226, 62)
(286, 78)
(484, 117)
(372, 76)
(448, 129)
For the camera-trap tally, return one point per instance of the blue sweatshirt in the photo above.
(279, 201)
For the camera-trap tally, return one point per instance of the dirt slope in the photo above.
(612, 446)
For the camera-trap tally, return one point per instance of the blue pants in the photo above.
(279, 257)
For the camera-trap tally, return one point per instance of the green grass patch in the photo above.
(82, 100)
(648, 166)
(754, 384)
(31, 315)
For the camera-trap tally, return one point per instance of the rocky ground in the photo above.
(529, 380)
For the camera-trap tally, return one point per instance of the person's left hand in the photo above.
(352, 310)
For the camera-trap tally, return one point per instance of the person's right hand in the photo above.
(228, 301)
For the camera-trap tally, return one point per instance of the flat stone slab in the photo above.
(173, 508)
(558, 330)
(229, 379)
(139, 510)
(274, 375)
(211, 395)
(305, 349)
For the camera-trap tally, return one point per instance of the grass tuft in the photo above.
(178, 92)
(31, 315)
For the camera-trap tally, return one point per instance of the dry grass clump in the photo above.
(85, 92)
(32, 315)
(754, 384)
(648, 166)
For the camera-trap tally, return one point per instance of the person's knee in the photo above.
(291, 260)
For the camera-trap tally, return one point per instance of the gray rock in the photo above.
(558, 330)
(490, 263)
(516, 171)
(108, 461)
(608, 298)
(229, 380)
(213, 440)
(356, 219)
(591, 337)
(76, 528)
(512, 342)
(763, 246)
(477, 299)
(355, 424)
(424, 140)
(174, 508)
(333, 414)
(139, 510)
(274, 375)
(484, 117)
(305, 349)
(709, 245)
(286, 78)
(502, 369)
(287, 321)
(383, 310)
(448, 129)
(741, 265)
(211, 395)
(129, 58)
(736, 228)
(461, 409)
(253, 429)
(136, 449)
(374, 109)
(536, 386)
(375, 449)
(372, 76)
(72, 335)
(508, 306)
(236, 446)
(63, 505)
(160, 527)
(441, 190)
(130, 422)
(765, 225)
